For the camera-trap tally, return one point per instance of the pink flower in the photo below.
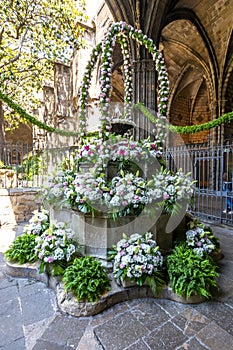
(50, 259)
(122, 265)
(122, 152)
(165, 196)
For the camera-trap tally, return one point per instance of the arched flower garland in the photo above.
(106, 47)
(127, 71)
(83, 101)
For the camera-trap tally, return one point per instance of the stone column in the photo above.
(144, 90)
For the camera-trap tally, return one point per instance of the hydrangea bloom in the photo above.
(199, 239)
(55, 244)
(136, 257)
(38, 223)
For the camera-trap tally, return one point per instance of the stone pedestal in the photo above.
(97, 234)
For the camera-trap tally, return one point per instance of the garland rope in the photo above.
(190, 129)
(33, 120)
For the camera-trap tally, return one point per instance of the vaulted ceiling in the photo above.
(196, 37)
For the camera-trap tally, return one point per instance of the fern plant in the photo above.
(191, 274)
(87, 278)
(22, 249)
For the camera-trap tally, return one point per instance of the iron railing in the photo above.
(23, 165)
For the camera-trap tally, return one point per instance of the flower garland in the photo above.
(189, 129)
(123, 40)
(33, 120)
(107, 47)
(83, 101)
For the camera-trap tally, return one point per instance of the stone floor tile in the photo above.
(38, 306)
(167, 337)
(30, 286)
(215, 338)
(225, 289)
(65, 330)
(192, 344)
(190, 321)
(110, 313)
(9, 293)
(171, 307)
(149, 314)
(121, 332)
(10, 322)
(88, 341)
(46, 345)
(139, 345)
(18, 344)
(226, 268)
(218, 312)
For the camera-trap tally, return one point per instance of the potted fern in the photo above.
(87, 279)
(191, 275)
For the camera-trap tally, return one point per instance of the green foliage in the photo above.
(31, 119)
(22, 249)
(87, 278)
(191, 274)
(35, 34)
(190, 129)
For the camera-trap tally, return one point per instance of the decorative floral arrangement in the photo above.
(138, 258)
(118, 148)
(58, 184)
(201, 239)
(170, 189)
(120, 32)
(128, 194)
(87, 191)
(124, 194)
(38, 223)
(55, 248)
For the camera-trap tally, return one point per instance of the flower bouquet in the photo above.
(201, 239)
(137, 258)
(55, 248)
(128, 194)
(38, 223)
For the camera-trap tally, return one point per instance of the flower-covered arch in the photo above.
(122, 32)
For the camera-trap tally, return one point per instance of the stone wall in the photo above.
(17, 205)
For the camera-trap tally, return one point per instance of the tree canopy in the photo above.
(33, 35)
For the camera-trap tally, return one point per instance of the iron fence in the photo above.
(23, 165)
(212, 169)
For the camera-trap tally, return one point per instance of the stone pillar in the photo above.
(144, 90)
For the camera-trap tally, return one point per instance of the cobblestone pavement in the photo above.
(31, 320)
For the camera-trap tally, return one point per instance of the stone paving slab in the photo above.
(31, 320)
